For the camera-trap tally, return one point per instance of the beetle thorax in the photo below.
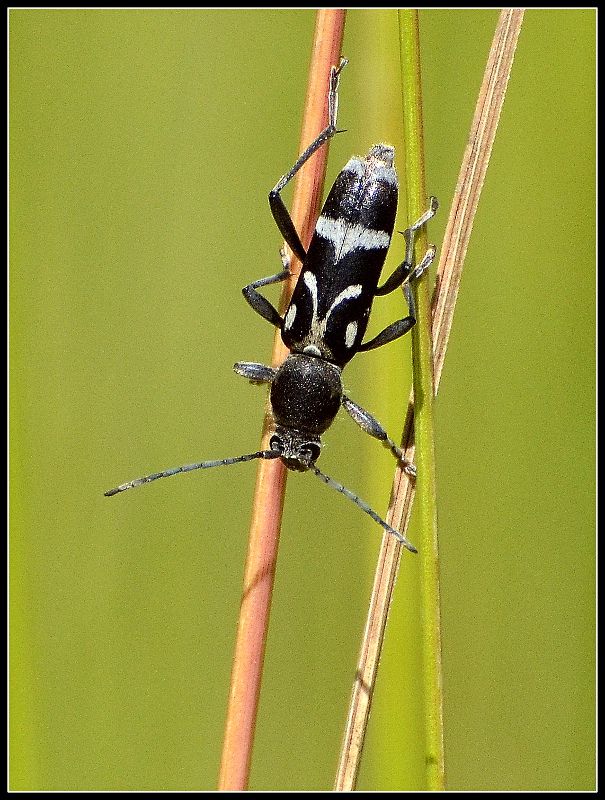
(306, 394)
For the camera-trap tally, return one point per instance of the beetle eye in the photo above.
(275, 443)
(314, 451)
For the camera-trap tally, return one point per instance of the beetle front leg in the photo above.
(259, 303)
(281, 215)
(402, 326)
(256, 373)
(370, 425)
(395, 329)
(405, 271)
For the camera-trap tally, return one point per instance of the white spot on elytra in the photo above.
(350, 293)
(290, 316)
(355, 166)
(376, 166)
(311, 283)
(347, 237)
(350, 334)
(317, 330)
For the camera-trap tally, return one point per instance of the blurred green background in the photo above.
(142, 147)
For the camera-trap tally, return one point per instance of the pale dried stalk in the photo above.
(466, 198)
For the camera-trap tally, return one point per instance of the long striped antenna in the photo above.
(363, 505)
(268, 454)
(190, 467)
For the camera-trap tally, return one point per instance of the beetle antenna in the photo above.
(190, 467)
(364, 507)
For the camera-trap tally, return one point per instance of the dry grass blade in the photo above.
(470, 182)
(271, 479)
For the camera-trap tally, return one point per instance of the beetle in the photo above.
(327, 316)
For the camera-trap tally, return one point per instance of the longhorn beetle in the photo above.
(328, 313)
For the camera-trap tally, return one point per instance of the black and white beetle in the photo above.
(328, 314)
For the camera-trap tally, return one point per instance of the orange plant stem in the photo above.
(271, 479)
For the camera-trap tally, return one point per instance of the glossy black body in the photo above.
(361, 204)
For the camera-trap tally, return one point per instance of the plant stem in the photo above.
(459, 226)
(422, 363)
(271, 479)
